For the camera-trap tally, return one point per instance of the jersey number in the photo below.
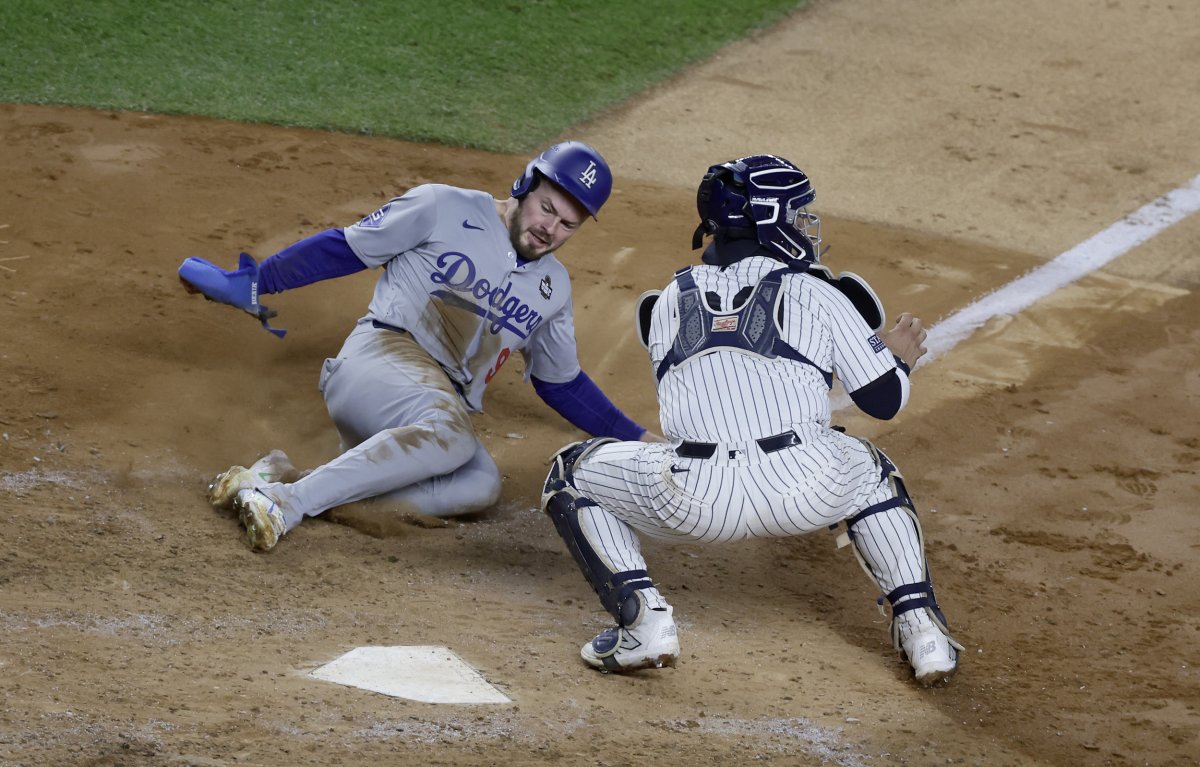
(500, 360)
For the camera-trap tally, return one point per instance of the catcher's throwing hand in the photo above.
(907, 339)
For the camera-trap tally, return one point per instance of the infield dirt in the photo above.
(1053, 455)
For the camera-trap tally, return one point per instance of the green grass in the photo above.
(501, 75)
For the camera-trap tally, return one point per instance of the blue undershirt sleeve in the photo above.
(883, 397)
(322, 256)
(581, 402)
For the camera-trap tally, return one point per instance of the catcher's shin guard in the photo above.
(563, 503)
(906, 580)
(562, 465)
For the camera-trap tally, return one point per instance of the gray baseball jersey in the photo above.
(451, 279)
(401, 400)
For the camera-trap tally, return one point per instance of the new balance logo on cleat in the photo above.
(926, 649)
(933, 655)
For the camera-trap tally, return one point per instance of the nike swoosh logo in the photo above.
(676, 470)
(468, 225)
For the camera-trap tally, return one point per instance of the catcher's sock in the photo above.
(912, 622)
(653, 599)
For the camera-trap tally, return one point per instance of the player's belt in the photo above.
(385, 326)
(689, 449)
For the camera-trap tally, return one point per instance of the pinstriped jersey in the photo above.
(726, 394)
(451, 279)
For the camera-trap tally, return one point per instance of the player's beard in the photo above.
(520, 235)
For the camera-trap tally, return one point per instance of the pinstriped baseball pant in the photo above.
(741, 492)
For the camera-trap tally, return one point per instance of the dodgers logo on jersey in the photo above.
(501, 309)
(374, 220)
(588, 177)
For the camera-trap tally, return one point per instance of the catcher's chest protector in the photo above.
(750, 327)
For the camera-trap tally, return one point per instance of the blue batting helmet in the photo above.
(576, 167)
(765, 196)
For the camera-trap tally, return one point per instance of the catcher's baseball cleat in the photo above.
(275, 466)
(652, 642)
(262, 518)
(932, 656)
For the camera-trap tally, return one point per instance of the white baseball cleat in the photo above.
(652, 642)
(933, 656)
(275, 466)
(262, 518)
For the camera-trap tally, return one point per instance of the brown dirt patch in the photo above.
(1054, 456)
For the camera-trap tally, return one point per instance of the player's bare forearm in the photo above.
(907, 339)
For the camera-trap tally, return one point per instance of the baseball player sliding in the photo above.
(467, 281)
(745, 348)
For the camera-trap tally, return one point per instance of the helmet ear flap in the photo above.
(524, 182)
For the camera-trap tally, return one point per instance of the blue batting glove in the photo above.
(237, 288)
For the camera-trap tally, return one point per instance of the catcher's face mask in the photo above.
(779, 198)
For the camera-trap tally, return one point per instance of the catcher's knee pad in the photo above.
(900, 499)
(617, 590)
(890, 474)
(562, 465)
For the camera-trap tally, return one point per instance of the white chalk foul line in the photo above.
(1084, 258)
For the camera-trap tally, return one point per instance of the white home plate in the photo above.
(428, 674)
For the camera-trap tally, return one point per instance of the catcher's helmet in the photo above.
(576, 167)
(765, 196)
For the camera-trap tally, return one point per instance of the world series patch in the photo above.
(375, 219)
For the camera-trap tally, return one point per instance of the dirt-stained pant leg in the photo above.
(405, 425)
(474, 486)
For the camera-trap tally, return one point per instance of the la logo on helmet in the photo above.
(588, 177)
